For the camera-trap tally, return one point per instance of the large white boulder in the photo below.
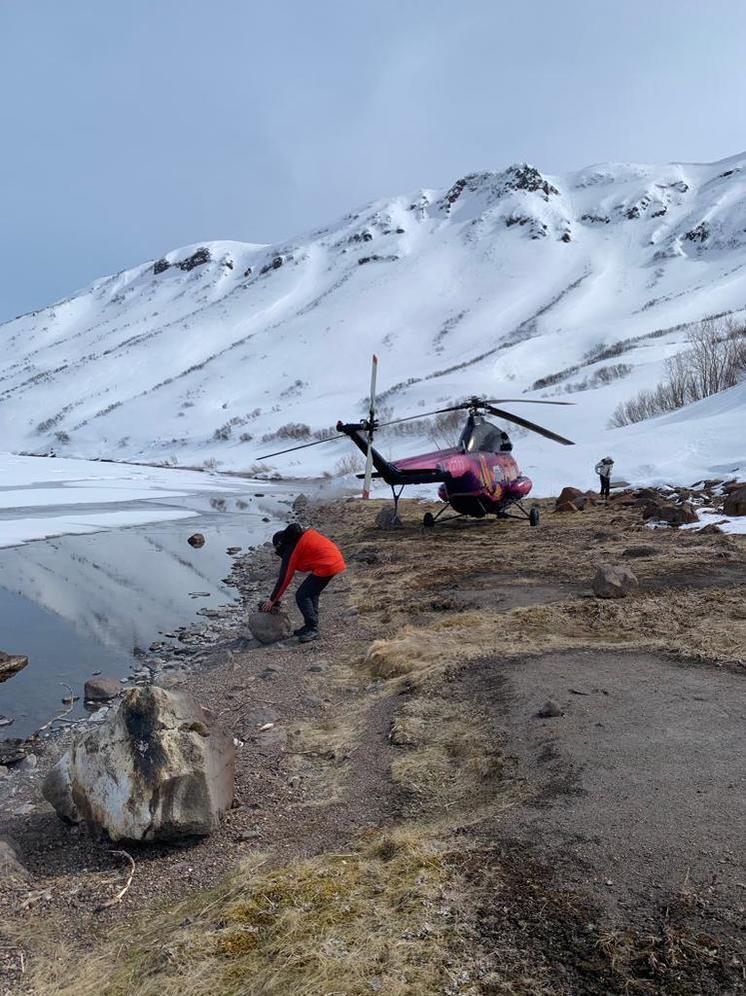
(155, 769)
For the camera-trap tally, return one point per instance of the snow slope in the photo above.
(503, 280)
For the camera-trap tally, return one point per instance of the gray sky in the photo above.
(131, 127)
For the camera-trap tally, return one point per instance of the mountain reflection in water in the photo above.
(79, 604)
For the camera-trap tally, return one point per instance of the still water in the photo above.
(79, 604)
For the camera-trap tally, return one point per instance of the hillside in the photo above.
(502, 281)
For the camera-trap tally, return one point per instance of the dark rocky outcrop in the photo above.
(274, 265)
(700, 233)
(160, 266)
(198, 258)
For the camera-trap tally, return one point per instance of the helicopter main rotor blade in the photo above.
(529, 425)
(523, 401)
(302, 446)
(411, 418)
(466, 405)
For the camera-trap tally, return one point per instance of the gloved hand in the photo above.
(266, 606)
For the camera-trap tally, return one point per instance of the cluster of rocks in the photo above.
(198, 258)
(574, 500)
(676, 506)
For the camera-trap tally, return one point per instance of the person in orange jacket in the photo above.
(311, 552)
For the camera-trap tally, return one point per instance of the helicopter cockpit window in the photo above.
(484, 438)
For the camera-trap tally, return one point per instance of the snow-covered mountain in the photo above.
(507, 282)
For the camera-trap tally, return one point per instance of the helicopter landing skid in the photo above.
(532, 515)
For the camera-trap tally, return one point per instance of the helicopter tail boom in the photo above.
(385, 470)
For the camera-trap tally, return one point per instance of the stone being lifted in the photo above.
(155, 770)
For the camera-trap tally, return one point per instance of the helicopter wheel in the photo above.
(429, 520)
(533, 516)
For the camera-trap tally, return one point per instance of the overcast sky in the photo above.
(131, 127)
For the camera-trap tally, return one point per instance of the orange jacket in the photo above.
(315, 554)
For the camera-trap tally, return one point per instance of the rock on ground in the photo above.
(571, 500)
(101, 689)
(614, 582)
(735, 502)
(550, 710)
(269, 627)
(674, 515)
(11, 664)
(152, 770)
(387, 518)
(11, 865)
(196, 540)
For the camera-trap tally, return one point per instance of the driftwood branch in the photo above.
(123, 891)
(57, 718)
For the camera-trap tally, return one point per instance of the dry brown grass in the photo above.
(450, 764)
(376, 920)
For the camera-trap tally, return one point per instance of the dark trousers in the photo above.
(307, 598)
(605, 486)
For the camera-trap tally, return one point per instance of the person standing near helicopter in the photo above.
(311, 552)
(603, 468)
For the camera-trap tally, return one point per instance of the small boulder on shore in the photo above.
(11, 664)
(155, 769)
(269, 627)
(102, 689)
(614, 582)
